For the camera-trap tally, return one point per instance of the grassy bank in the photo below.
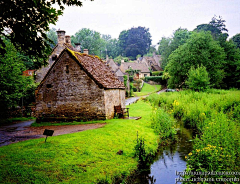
(216, 116)
(148, 89)
(83, 157)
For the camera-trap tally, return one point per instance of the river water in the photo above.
(169, 160)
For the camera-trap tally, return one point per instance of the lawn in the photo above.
(84, 157)
(148, 89)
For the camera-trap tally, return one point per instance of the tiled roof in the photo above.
(97, 70)
(135, 66)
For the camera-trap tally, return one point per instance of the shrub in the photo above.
(157, 73)
(198, 79)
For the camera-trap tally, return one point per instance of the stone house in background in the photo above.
(143, 68)
(63, 42)
(78, 86)
(154, 63)
(115, 69)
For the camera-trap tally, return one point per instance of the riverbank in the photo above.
(83, 157)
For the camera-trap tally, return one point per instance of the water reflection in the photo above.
(170, 158)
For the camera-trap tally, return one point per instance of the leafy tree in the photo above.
(198, 79)
(52, 35)
(110, 46)
(217, 28)
(236, 40)
(232, 65)
(168, 45)
(135, 41)
(89, 39)
(120, 58)
(13, 84)
(25, 24)
(200, 49)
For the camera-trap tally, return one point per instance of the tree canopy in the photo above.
(13, 84)
(199, 49)
(25, 24)
(135, 41)
(89, 39)
(236, 40)
(168, 45)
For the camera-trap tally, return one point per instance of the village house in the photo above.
(78, 86)
(115, 69)
(141, 67)
(63, 42)
(154, 62)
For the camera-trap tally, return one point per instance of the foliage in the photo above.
(163, 124)
(157, 73)
(25, 23)
(13, 84)
(82, 157)
(217, 28)
(198, 79)
(200, 49)
(215, 114)
(135, 41)
(158, 79)
(52, 35)
(109, 46)
(232, 65)
(89, 39)
(168, 45)
(236, 40)
(118, 59)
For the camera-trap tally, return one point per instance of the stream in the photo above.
(169, 160)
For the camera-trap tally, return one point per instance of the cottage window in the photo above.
(67, 69)
(49, 85)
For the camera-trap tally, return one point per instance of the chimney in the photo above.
(61, 37)
(68, 40)
(85, 51)
(78, 47)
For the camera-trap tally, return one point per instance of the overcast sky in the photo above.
(162, 17)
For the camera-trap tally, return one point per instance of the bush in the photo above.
(157, 73)
(198, 79)
(158, 79)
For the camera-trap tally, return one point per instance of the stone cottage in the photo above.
(78, 86)
(141, 67)
(63, 42)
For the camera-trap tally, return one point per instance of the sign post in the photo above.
(48, 133)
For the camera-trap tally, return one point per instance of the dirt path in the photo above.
(11, 134)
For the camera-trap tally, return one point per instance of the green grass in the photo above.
(83, 157)
(148, 89)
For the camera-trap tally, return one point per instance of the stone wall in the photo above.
(43, 71)
(69, 92)
(113, 97)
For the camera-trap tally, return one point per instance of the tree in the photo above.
(135, 41)
(217, 28)
(52, 35)
(89, 39)
(25, 24)
(200, 49)
(13, 84)
(236, 40)
(168, 45)
(109, 46)
(198, 79)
